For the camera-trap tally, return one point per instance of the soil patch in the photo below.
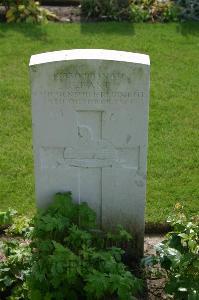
(66, 14)
(155, 277)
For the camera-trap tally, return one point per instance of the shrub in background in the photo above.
(106, 9)
(28, 11)
(133, 10)
(189, 9)
(154, 11)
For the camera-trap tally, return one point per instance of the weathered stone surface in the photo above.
(90, 121)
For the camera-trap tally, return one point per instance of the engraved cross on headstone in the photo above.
(90, 155)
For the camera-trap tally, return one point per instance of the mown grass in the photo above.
(174, 106)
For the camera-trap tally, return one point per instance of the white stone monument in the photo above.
(90, 123)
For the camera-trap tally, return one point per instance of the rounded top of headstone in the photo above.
(89, 54)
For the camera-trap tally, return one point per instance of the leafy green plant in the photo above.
(154, 11)
(20, 226)
(189, 9)
(106, 9)
(6, 218)
(178, 255)
(71, 257)
(13, 224)
(28, 11)
(135, 10)
(15, 266)
(90, 8)
(15, 256)
(65, 257)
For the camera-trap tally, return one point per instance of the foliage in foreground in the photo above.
(178, 254)
(67, 258)
(6, 218)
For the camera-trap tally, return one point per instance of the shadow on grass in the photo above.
(188, 28)
(118, 28)
(31, 31)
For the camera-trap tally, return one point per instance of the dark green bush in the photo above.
(189, 9)
(133, 10)
(106, 9)
(154, 11)
(73, 260)
(65, 257)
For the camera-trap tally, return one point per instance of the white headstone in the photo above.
(90, 123)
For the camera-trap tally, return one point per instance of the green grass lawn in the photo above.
(174, 106)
